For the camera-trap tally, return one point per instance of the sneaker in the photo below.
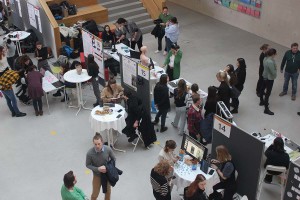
(41, 113)
(21, 114)
(57, 94)
(157, 51)
(268, 112)
(282, 94)
(298, 113)
(163, 129)
(37, 113)
(165, 53)
(174, 125)
(13, 114)
(293, 97)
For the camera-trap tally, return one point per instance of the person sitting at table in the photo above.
(41, 54)
(35, 89)
(195, 191)
(172, 62)
(112, 93)
(159, 182)
(179, 98)
(226, 171)
(69, 191)
(93, 71)
(276, 156)
(107, 35)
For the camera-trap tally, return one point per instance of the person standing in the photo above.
(172, 33)
(4, 66)
(211, 101)
(194, 118)
(69, 191)
(164, 17)
(179, 98)
(224, 90)
(162, 101)
(133, 32)
(35, 89)
(241, 78)
(291, 61)
(269, 74)
(93, 71)
(260, 81)
(173, 62)
(96, 158)
(159, 181)
(3, 18)
(9, 78)
(11, 53)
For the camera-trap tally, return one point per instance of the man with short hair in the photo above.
(164, 17)
(291, 61)
(9, 78)
(96, 158)
(133, 32)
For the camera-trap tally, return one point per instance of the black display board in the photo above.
(292, 188)
(247, 153)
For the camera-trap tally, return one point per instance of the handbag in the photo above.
(72, 10)
(257, 13)
(244, 9)
(258, 4)
(226, 3)
(234, 6)
(253, 2)
(248, 11)
(234, 93)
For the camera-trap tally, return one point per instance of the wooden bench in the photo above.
(92, 12)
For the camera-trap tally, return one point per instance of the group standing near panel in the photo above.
(188, 103)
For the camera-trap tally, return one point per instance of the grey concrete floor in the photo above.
(36, 152)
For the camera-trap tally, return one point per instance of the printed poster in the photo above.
(129, 72)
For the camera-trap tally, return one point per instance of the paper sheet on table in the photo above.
(47, 86)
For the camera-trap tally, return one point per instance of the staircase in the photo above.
(131, 10)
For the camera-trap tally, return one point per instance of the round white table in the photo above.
(155, 74)
(72, 77)
(17, 36)
(185, 176)
(109, 122)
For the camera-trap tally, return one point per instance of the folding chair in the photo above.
(282, 177)
(138, 133)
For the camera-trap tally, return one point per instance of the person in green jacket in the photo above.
(269, 75)
(165, 17)
(69, 191)
(172, 62)
(291, 61)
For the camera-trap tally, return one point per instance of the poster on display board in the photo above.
(34, 16)
(129, 72)
(144, 71)
(292, 190)
(93, 45)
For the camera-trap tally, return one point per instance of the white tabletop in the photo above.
(156, 72)
(121, 49)
(185, 176)
(72, 76)
(105, 122)
(21, 35)
(203, 94)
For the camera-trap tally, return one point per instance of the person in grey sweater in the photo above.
(96, 158)
(11, 53)
(269, 75)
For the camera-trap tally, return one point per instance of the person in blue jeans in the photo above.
(291, 61)
(9, 78)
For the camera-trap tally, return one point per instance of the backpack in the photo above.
(91, 27)
(67, 51)
(72, 10)
(55, 9)
(65, 4)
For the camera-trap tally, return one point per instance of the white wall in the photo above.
(279, 21)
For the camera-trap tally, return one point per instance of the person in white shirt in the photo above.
(11, 53)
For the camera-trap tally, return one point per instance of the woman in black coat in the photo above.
(241, 78)
(162, 101)
(196, 190)
(260, 81)
(224, 90)
(107, 35)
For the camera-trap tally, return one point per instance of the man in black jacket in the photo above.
(162, 101)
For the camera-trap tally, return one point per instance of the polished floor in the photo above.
(36, 152)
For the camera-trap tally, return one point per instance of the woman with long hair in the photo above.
(112, 93)
(211, 101)
(276, 156)
(226, 171)
(224, 90)
(162, 101)
(241, 78)
(159, 182)
(179, 98)
(93, 71)
(107, 35)
(196, 189)
(262, 56)
(41, 54)
(269, 74)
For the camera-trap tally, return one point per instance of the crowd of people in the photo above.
(188, 106)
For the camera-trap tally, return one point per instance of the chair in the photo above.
(138, 133)
(244, 198)
(235, 196)
(282, 177)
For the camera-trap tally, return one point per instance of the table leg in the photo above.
(47, 102)
(80, 101)
(19, 48)
(112, 145)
